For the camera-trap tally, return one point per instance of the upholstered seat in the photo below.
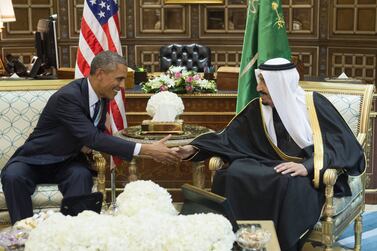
(20, 107)
(354, 104)
(193, 56)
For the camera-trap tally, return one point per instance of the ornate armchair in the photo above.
(21, 103)
(353, 101)
(193, 56)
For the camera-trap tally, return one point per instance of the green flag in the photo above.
(265, 38)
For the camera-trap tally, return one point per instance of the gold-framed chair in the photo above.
(354, 102)
(21, 103)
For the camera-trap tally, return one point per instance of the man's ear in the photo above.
(98, 74)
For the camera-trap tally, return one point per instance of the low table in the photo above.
(273, 244)
(133, 133)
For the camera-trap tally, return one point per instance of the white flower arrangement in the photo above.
(165, 106)
(138, 228)
(146, 196)
(178, 80)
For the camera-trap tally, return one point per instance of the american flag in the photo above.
(100, 32)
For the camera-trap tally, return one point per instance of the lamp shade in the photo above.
(6, 11)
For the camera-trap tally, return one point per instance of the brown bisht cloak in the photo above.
(254, 189)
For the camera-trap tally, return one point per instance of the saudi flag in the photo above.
(265, 38)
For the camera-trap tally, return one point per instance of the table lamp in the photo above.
(6, 12)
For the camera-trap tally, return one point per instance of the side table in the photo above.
(133, 133)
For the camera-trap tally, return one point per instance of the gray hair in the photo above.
(107, 61)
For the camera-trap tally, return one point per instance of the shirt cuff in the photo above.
(137, 149)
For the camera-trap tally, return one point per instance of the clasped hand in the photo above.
(160, 152)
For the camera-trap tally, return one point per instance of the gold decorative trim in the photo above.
(317, 138)
(32, 85)
(277, 149)
(188, 114)
(199, 95)
(193, 1)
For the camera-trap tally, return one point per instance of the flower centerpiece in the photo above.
(146, 220)
(178, 80)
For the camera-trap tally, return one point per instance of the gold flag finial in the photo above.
(280, 21)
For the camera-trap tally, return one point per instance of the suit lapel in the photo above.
(85, 94)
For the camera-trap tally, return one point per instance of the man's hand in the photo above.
(160, 152)
(185, 151)
(86, 150)
(295, 169)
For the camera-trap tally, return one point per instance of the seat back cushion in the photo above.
(19, 113)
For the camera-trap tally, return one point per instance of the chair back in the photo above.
(193, 56)
(353, 101)
(21, 103)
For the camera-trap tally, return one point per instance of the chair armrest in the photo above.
(99, 165)
(361, 138)
(329, 179)
(215, 163)
(330, 175)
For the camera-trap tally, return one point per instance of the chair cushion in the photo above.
(45, 196)
(343, 203)
(349, 106)
(19, 113)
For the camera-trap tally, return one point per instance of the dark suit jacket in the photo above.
(65, 126)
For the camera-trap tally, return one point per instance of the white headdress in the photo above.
(281, 78)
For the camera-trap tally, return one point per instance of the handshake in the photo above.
(161, 153)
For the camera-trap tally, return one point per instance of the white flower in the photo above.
(137, 228)
(166, 80)
(144, 195)
(205, 84)
(154, 83)
(175, 69)
(165, 106)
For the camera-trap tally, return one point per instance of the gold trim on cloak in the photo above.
(277, 149)
(317, 138)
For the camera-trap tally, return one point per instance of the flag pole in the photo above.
(113, 196)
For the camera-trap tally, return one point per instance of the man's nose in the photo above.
(259, 88)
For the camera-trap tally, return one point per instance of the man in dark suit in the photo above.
(72, 122)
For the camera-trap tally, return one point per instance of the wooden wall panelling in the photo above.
(227, 20)
(301, 18)
(225, 55)
(29, 11)
(353, 17)
(147, 56)
(308, 55)
(355, 62)
(24, 53)
(153, 17)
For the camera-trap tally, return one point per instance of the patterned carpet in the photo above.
(369, 237)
